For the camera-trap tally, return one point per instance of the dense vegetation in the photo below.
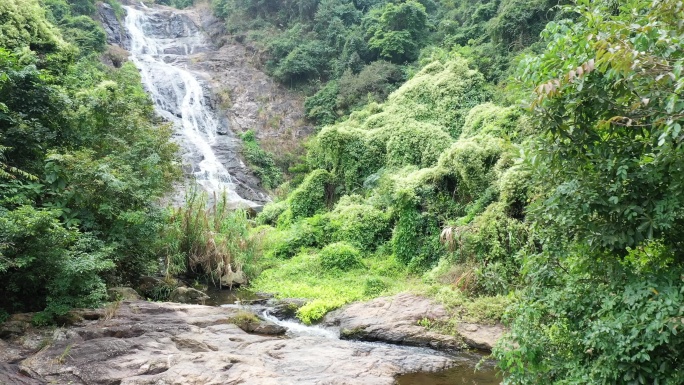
(563, 219)
(82, 161)
(427, 175)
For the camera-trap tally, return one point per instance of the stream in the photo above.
(465, 372)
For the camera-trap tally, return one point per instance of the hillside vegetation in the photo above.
(81, 162)
(561, 218)
(519, 161)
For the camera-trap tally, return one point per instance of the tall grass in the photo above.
(205, 237)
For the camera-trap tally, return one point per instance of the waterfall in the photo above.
(161, 55)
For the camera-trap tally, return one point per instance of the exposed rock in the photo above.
(14, 375)
(149, 343)
(147, 283)
(187, 295)
(264, 327)
(123, 294)
(231, 278)
(397, 320)
(116, 34)
(16, 325)
(286, 307)
(480, 336)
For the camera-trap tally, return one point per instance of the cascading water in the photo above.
(178, 95)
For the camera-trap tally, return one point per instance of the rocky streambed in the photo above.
(139, 342)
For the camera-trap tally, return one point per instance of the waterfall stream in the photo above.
(161, 49)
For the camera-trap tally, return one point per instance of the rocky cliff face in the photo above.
(116, 34)
(241, 96)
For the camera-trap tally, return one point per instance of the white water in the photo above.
(179, 97)
(296, 329)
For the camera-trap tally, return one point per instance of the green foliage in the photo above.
(82, 162)
(600, 323)
(612, 115)
(361, 225)
(270, 213)
(493, 120)
(472, 161)
(374, 286)
(312, 196)
(309, 232)
(372, 84)
(340, 256)
(85, 33)
(180, 4)
(604, 300)
(24, 24)
(321, 107)
(517, 23)
(46, 266)
(397, 31)
(210, 239)
(260, 161)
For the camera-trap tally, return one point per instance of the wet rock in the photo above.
(123, 294)
(264, 327)
(399, 320)
(116, 34)
(285, 308)
(187, 295)
(165, 343)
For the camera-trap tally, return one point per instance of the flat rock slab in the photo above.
(397, 320)
(167, 343)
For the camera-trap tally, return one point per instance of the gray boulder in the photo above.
(187, 295)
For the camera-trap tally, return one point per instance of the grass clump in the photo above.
(208, 238)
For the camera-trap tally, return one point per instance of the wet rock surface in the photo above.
(166, 343)
(398, 320)
(116, 34)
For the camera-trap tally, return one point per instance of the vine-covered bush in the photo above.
(271, 212)
(472, 162)
(340, 256)
(361, 225)
(312, 196)
(493, 120)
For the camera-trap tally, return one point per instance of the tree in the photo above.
(604, 301)
(397, 31)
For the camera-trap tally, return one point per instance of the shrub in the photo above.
(321, 107)
(374, 286)
(375, 81)
(309, 232)
(312, 196)
(210, 239)
(417, 144)
(47, 266)
(340, 256)
(493, 120)
(260, 161)
(271, 212)
(360, 225)
(471, 161)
